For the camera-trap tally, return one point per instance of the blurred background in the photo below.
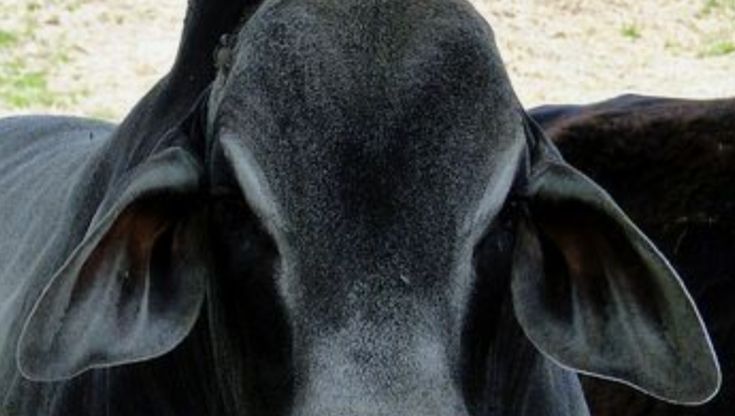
(97, 57)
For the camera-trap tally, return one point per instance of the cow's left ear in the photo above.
(133, 288)
(592, 292)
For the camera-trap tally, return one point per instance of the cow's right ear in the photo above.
(593, 294)
(133, 288)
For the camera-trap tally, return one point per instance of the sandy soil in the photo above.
(555, 50)
(579, 50)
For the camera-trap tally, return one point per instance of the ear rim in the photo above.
(549, 161)
(186, 172)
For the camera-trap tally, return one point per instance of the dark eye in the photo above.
(240, 243)
(487, 310)
(246, 307)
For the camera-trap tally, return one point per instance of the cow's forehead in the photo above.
(383, 124)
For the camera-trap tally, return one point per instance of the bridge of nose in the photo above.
(376, 344)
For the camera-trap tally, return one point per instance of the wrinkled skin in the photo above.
(690, 215)
(352, 216)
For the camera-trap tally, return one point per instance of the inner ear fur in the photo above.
(133, 288)
(593, 294)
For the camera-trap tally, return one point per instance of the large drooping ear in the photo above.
(132, 289)
(121, 297)
(592, 293)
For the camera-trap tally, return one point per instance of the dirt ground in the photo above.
(97, 57)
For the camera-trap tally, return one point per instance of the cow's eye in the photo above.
(245, 303)
(241, 245)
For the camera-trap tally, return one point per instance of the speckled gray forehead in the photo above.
(371, 118)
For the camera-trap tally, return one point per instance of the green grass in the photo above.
(631, 31)
(24, 74)
(712, 6)
(22, 88)
(7, 39)
(720, 42)
(719, 48)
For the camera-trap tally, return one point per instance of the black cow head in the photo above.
(351, 165)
